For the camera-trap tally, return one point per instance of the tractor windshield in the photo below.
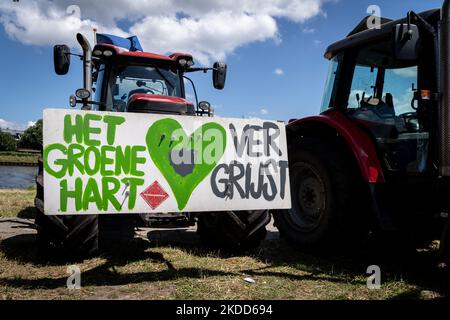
(329, 85)
(127, 80)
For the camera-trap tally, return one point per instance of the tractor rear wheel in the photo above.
(71, 235)
(233, 230)
(326, 194)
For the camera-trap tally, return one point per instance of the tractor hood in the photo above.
(151, 103)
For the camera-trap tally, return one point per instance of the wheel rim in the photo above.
(309, 198)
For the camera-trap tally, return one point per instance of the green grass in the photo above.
(17, 202)
(173, 270)
(18, 157)
(143, 271)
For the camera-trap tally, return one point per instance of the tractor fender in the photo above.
(358, 141)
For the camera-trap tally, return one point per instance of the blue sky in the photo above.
(28, 83)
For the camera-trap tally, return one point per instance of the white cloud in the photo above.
(209, 29)
(31, 123)
(32, 24)
(317, 42)
(264, 111)
(9, 125)
(251, 115)
(257, 115)
(214, 30)
(279, 72)
(308, 30)
(406, 72)
(402, 103)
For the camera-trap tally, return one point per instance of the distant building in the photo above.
(17, 134)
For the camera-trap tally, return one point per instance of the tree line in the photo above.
(31, 139)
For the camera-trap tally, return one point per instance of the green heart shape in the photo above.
(166, 137)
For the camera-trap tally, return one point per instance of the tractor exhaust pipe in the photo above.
(87, 68)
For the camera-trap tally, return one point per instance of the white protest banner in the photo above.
(105, 162)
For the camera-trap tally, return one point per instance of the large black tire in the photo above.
(233, 230)
(328, 200)
(70, 235)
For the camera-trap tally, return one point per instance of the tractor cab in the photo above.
(140, 82)
(120, 77)
(386, 88)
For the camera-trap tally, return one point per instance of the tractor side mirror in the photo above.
(219, 75)
(61, 59)
(406, 42)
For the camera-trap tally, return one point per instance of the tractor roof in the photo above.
(138, 55)
(361, 34)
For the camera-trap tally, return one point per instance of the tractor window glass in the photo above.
(398, 86)
(128, 80)
(381, 94)
(381, 99)
(329, 84)
(363, 86)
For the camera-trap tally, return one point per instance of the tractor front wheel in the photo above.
(327, 198)
(69, 235)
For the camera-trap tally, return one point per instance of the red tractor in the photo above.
(120, 77)
(377, 158)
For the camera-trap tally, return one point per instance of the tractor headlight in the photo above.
(204, 105)
(182, 62)
(107, 53)
(82, 94)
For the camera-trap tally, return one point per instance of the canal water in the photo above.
(17, 177)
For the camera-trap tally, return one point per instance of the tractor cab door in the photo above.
(382, 98)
